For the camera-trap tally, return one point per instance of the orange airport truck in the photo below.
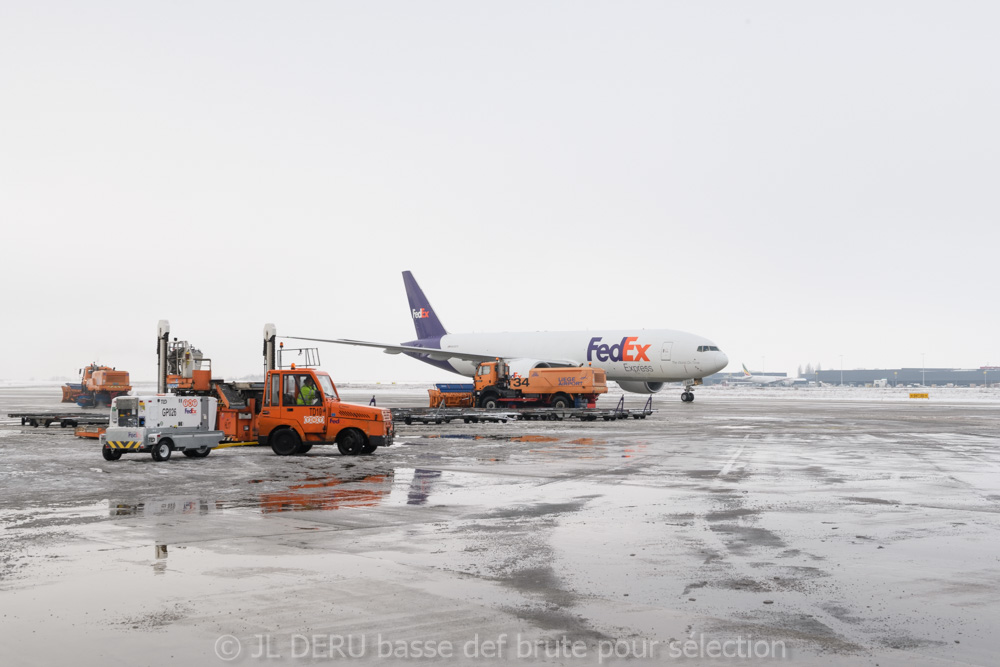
(496, 387)
(98, 385)
(292, 410)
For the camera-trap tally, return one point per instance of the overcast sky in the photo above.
(794, 180)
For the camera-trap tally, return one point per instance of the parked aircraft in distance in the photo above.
(771, 379)
(639, 360)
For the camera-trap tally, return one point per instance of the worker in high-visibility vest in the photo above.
(307, 393)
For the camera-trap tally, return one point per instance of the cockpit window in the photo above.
(707, 348)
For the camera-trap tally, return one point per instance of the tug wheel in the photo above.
(285, 442)
(111, 454)
(350, 442)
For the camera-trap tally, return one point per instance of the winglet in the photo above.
(425, 320)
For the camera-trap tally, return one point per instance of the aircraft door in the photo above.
(665, 353)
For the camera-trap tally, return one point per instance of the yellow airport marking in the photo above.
(920, 395)
(235, 444)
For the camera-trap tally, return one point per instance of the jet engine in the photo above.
(637, 387)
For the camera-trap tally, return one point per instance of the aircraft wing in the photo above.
(440, 355)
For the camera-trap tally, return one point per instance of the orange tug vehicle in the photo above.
(292, 410)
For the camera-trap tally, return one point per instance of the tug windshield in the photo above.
(327, 384)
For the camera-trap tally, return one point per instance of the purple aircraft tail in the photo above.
(425, 320)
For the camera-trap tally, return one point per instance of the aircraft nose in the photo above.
(722, 361)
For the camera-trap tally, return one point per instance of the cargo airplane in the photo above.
(640, 360)
(770, 379)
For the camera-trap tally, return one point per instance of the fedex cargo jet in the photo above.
(639, 360)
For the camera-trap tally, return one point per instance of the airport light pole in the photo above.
(923, 369)
(841, 370)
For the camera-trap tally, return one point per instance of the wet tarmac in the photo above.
(816, 531)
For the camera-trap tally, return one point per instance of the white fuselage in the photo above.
(772, 379)
(641, 355)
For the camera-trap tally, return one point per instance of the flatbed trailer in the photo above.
(411, 416)
(66, 419)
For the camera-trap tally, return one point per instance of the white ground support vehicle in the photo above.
(161, 424)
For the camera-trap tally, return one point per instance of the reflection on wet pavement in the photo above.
(165, 507)
(331, 492)
(420, 487)
(160, 566)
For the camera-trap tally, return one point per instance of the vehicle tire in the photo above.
(111, 454)
(304, 447)
(199, 453)
(285, 442)
(408, 421)
(490, 402)
(369, 448)
(350, 442)
(162, 450)
(561, 402)
(690, 397)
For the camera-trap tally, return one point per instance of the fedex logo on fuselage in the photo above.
(626, 350)
(421, 314)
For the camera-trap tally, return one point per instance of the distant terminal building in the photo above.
(893, 377)
(958, 377)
